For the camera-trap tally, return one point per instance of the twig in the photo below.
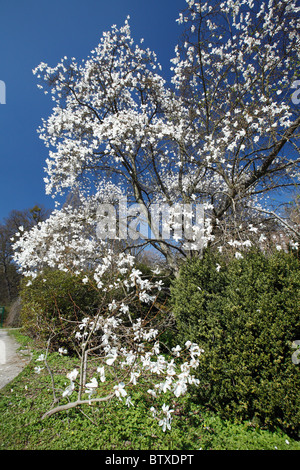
(55, 399)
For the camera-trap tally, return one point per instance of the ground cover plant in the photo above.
(114, 426)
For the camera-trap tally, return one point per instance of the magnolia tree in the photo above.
(223, 135)
(196, 158)
(119, 344)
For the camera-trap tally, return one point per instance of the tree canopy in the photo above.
(223, 134)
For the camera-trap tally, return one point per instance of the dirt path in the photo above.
(12, 360)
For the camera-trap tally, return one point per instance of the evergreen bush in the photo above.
(51, 302)
(245, 314)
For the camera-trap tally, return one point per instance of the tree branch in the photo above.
(74, 404)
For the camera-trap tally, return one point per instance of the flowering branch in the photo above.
(119, 350)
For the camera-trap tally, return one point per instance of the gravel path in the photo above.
(12, 359)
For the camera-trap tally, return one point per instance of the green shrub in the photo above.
(55, 300)
(51, 302)
(245, 315)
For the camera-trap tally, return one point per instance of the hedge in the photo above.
(245, 314)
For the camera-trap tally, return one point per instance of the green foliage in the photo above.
(114, 426)
(245, 316)
(51, 302)
(55, 300)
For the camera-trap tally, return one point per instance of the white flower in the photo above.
(166, 409)
(180, 388)
(130, 358)
(144, 297)
(72, 375)
(69, 390)
(101, 371)
(164, 386)
(120, 390)
(41, 357)
(62, 351)
(165, 423)
(176, 351)
(112, 305)
(93, 384)
(38, 370)
(171, 368)
(124, 308)
(156, 271)
(83, 323)
(134, 376)
(195, 350)
(91, 387)
(111, 357)
(129, 402)
(159, 366)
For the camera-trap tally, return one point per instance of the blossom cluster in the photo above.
(213, 136)
(170, 375)
(122, 348)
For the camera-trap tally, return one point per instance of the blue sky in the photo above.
(34, 31)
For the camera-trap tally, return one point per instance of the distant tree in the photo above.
(26, 218)
(17, 219)
(9, 278)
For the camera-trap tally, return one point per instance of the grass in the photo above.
(113, 426)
